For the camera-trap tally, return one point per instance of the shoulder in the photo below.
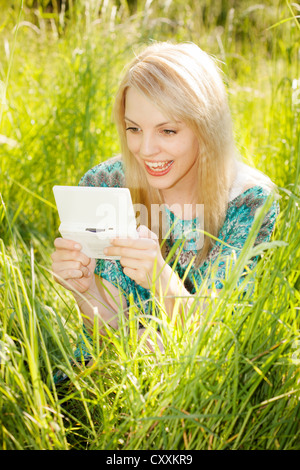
(249, 192)
(250, 186)
(241, 213)
(109, 173)
(242, 209)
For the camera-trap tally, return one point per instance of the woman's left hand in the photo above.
(139, 256)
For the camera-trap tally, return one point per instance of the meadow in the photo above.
(225, 382)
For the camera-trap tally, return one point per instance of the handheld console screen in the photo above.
(92, 216)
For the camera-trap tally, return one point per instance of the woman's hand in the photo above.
(71, 268)
(139, 256)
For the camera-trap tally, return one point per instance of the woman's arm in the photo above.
(172, 287)
(141, 259)
(103, 300)
(75, 271)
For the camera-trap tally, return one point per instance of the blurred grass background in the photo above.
(236, 384)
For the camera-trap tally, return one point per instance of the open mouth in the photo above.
(158, 168)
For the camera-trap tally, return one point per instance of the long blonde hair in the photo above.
(184, 83)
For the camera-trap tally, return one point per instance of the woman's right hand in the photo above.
(71, 268)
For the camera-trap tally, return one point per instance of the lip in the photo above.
(156, 172)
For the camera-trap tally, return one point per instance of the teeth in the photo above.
(159, 165)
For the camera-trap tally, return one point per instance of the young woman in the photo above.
(178, 152)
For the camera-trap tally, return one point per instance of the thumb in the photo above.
(144, 232)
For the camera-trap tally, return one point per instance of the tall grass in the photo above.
(228, 379)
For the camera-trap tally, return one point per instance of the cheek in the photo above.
(132, 144)
(188, 148)
(193, 151)
(186, 153)
(185, 148)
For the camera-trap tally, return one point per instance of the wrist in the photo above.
(170, 283)
(87, 296)
(171, 287)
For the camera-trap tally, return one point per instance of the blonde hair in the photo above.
(185, 84)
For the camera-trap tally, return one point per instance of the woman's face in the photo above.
(166, 150)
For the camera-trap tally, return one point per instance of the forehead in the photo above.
(138, 106)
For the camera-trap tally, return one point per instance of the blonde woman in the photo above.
(178, 155)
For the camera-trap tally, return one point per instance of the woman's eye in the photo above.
(169, 132)
(132, 129)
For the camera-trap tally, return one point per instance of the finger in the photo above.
(138, 265)
(70, 255)
(138, 243)
(130, 272)
(144, 232)
(65, 244)
(141, 278)
(68, 274)
(135, 254)
(70, 266)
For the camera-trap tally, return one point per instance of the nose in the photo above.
(149, 145)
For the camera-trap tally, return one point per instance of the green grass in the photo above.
(230, 379)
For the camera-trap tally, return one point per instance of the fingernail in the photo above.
(77, 246)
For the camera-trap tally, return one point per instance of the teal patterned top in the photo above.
(239, 219)
(234, 232)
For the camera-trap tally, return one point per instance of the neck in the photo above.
(182, 208)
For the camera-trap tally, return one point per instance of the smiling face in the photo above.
(167, 150)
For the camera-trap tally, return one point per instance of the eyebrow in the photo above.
(158, 125)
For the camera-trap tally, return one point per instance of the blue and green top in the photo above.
(239, 219)
(241, 210)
